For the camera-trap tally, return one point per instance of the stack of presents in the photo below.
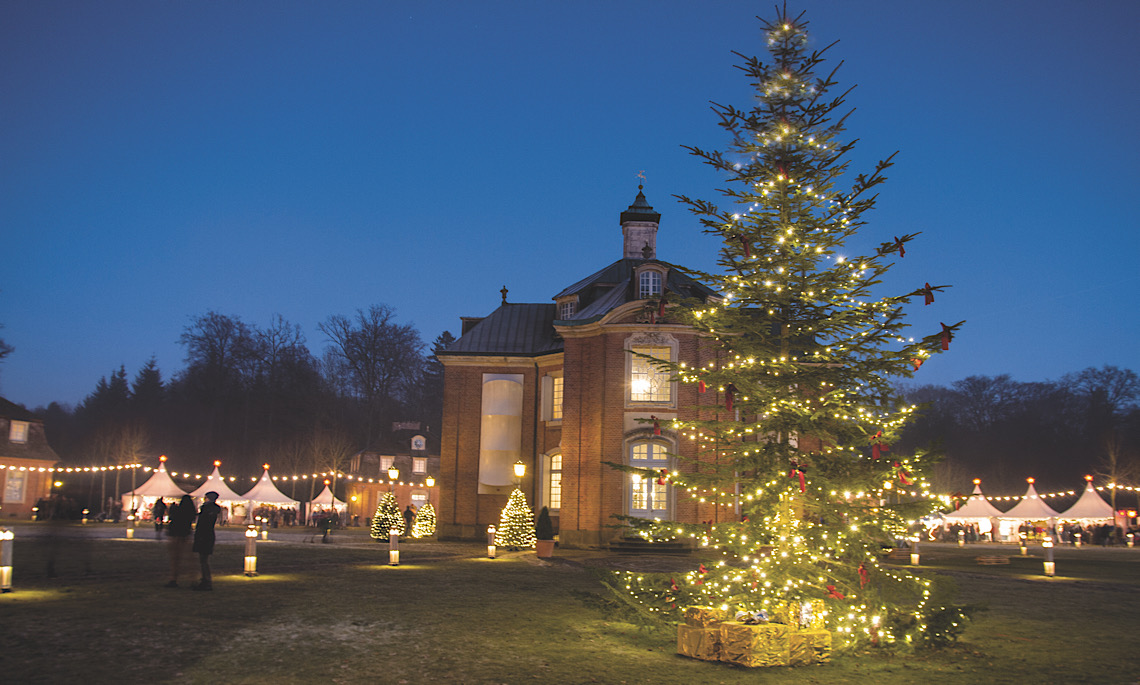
(792, 634)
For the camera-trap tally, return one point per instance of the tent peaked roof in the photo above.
(977, 507)
(1031, 507)
(266, 492)
(215, 483)
(326, 499)
(1089, 507)
(160, 484)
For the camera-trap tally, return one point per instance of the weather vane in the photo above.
(641, 175)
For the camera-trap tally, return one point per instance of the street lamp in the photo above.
(393, 474)
(429, 481)
(520, 470)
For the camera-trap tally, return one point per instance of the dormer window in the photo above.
(567, 308)
(649, 284)
(18, 432)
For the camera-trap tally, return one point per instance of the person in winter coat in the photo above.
(178, 530)
(204, 539)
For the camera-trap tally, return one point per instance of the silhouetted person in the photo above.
(182, 515)
(159, 513)
(409, 518)
(204, 539)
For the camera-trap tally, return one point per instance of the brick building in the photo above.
(414, 452)
(568, 385)
(25, 461)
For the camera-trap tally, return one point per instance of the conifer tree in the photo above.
(797, 412)
(424, 524)
(387, 517)
(516, 523)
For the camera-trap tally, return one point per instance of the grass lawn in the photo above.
(339, 614)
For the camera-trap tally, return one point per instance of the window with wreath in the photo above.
(647, 497)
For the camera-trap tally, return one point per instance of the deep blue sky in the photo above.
(162, 159)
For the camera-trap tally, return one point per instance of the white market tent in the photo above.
(1090, 507)
(1031, 507)
(326, 500)
(215, 483)
(976, 509)
(265, 492)
(160, 484)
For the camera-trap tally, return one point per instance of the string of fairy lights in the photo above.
(428, 481)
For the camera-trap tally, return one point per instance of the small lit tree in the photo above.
(386, 518)
(424, 525)
(516, 523)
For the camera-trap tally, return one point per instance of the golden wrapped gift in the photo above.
(766, 644)
(704, 617)
(698, 642)
(809, 647)
(800, 615)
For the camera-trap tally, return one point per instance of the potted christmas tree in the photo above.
(544, 532)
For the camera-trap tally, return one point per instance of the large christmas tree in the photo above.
(387, 517)
(516, 523)
(797, 415)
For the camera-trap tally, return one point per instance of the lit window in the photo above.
(647, 497)
(649, 284)
(567, 309)
(647, 381)
(419, 498)
(556, 400)
(419, 464)
(18, 432)
(555, 498)
(386, 463)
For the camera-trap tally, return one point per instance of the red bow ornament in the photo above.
(878, 447)
(947, 336)
(701, 387)
(917, 363)
(747, 247)
(904, 475)
(663, 476)
(798, 471)
(833, 593)
(863, 579)
(928, 294)
(661, 304)
(729, 396)
(899, 244)
(656, 425)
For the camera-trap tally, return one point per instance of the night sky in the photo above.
(159, 160)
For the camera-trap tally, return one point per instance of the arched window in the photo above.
(647, 497)
(649, 284)
(554, 483)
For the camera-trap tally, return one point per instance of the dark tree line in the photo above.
(248, 395)
(1004, 431)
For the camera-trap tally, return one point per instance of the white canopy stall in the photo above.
(227, 498)
(1032, 508)
(1090, 508)
(326, 500)
(265, 492)
(160, 484)
(978, 511)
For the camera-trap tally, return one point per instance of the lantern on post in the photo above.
(1130, 536)
(1021, 542)
(131, 526)
(1076, 539)
(914, 551)
(85, 513)
(251, 551)
(490, 542)
(6, 537)
(1050, 567)
(394, 547)
(961, 538)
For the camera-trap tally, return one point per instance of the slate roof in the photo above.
(521, 330)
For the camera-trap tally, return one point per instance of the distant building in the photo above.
(25, 460)
(414, 452)
(566, 386)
